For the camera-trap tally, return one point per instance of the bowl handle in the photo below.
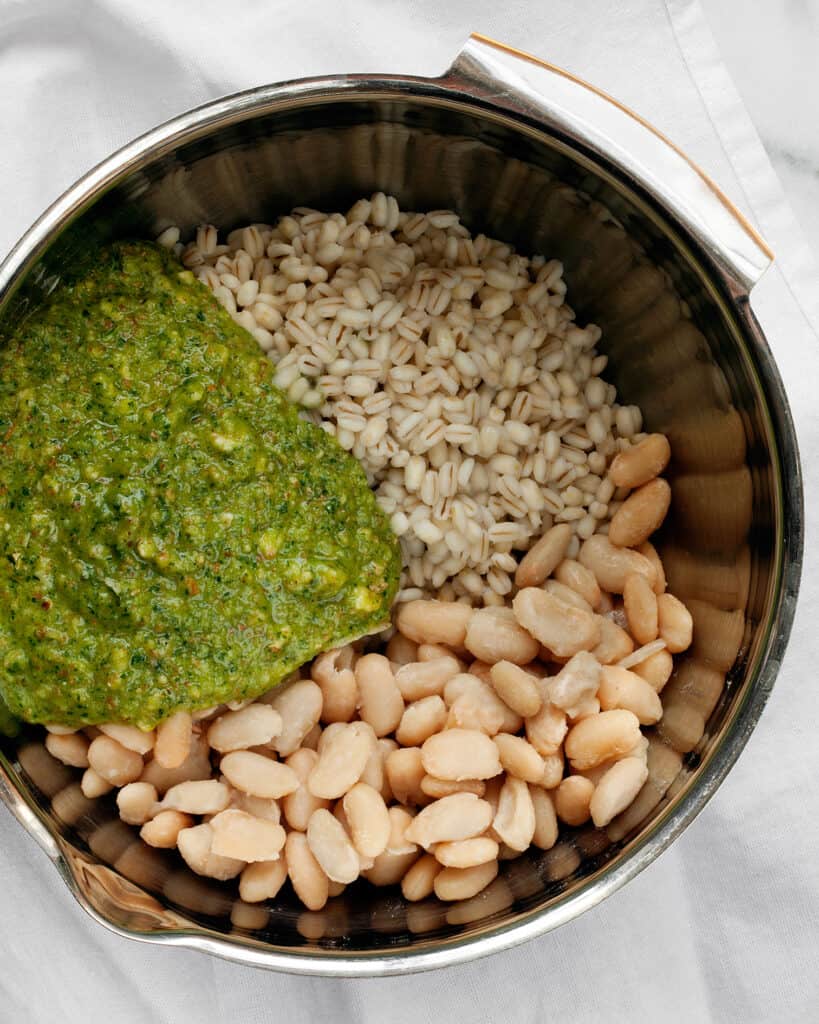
(529, 87)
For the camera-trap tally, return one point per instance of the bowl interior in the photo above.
(676, 349)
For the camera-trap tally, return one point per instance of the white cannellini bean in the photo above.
(263, 880)
(299, 705)
(116, 764)
(460, 754)
(173, 740)
(514, 820)
(562, 628)
(306, 874)
(244, 837)
(195, 846)
(462, 883)
(617, 788)
(332, 848)
(257, 775)
(253, 726)
(130, 737)
(299, 805)
(342, 760)
(203, 797)
(368, 819)
(460, 816)
(136, 802)
(466, 853)
(163, 830)
(381, 702)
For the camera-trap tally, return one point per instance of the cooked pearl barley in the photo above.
(447, 381)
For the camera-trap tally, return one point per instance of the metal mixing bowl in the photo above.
(657, 257)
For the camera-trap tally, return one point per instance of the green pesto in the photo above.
(172, 533)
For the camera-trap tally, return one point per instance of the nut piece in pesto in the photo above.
(172, 534)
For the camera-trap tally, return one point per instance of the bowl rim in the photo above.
(673, 819)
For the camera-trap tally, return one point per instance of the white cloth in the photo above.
(725, 926)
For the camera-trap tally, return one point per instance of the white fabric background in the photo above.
(725, 926)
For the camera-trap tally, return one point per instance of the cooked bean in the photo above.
(616, 790)
(342, 760)
(575, 684)
(514, 820)
(333, 674)
(136, 802)
(93, 785)
(332, 848)
(400, 650)
(580, 579)
(381, 702)
(390, 866)
(615, 643)
(493, 634)
(162, 831)
(647, 550)
(426, 678)
(253, 726)
(173, 740)
(567, 595)
(299, 704)
(130, 737)
(307, 877)
(640, 603)
(516, 688)
(71, 748)
(473, 704)
(436, 788)
(520, 758)
(461, 883)
(368, 818)
(459, 816)
(115, 763)
(612, 565)
(466, 853)
(405, 770)
(258, 806)
(640, 514)
(428, 652)
(196, 766)
(603, 737)
(239, 834)
(564, 630)
(572, 799)
(544, 556)
(258, 775)
(263, 880)
(420, 720)
(299, 805)
(373, 774)
(676, 624)
(195, 845)
(434, 622)
(400, 821)
(546, 829)
(640, 463)
(206, 797)
(460, 754)
(546, 730)
(553, 771)
(656, 670)
(419, 881)
(620, 688)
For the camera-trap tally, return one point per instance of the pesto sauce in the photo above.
(172, 534)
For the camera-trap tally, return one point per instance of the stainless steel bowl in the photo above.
(655, 255)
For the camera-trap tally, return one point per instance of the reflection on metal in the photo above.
(655, 255)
